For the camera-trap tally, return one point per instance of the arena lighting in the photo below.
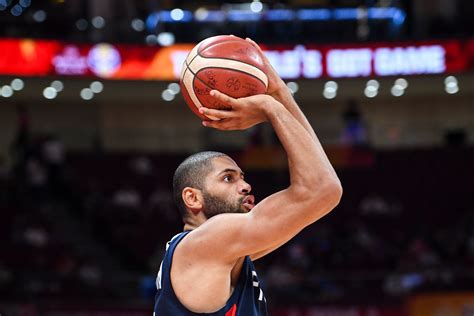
(6, 91)
(201, 14)
(174, 88)
(81, 24)
(50, 93)
(256, 6)
(97, 86)
(57, 85)
(402, 83)
(25, 3)
(87, 94)
(331, 86)
(98, 22)
(451, 85)
(329, 94)
(138, 25)
(167, 95)
(40, 16)
(372, 88)
(177, 14)
(373, 83)
(293, 86)
(313, 14)
(371, 92)
(451, 81)
(280, 15)
(165, 39)
(452, 89)
(254, 12)
(397, 91)
(17, 84)
(16, 10)
(151, 39)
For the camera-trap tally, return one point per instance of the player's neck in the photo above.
(193, 222)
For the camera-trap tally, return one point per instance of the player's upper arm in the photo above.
(271, 222)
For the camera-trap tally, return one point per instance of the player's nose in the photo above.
(245, 187)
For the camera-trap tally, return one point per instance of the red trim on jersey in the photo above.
(232, 311)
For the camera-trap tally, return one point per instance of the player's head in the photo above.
(210, 183)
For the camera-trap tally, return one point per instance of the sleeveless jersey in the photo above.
(247, 298)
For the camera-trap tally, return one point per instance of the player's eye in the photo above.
(228, 178)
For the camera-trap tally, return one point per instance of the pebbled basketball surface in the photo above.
(225, 63)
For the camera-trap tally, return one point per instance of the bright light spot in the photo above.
(3, 5)
(371, 91)
(17, 84)
(174, 88)
(329, 94)
(167, 95)
(293, 86)
(87, 94)
(402, 83)
(97, 86)
(81, 24)
(165, 39)
(50, 93)
(138, 25)
(151, 39)
(25, 3)
(177, 14)
(6, 91)
(201, 14)
(57, 85)
(451, 81)
(331, 86)
(17, 10)
(39, 16)
(452, 89)
(374, 84)
(256, 6)
(98, 22)
(397, 91)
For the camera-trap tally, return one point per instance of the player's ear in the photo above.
(193, 199)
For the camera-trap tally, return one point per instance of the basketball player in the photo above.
(208, 269)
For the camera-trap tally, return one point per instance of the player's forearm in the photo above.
(308, 164)
(283, 95)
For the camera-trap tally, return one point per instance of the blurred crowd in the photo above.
(95, 225)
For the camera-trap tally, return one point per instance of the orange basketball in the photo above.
(226, 63)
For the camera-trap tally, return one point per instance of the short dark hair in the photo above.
(191, 173)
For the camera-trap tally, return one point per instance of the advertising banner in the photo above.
(26, 57)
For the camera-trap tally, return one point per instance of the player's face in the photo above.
(226, 190)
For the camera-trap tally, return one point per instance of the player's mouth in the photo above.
(249, 202)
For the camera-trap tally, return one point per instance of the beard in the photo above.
(214, 206)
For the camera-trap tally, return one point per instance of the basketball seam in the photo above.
(200, 55)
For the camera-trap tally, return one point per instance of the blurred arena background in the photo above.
(92, 126)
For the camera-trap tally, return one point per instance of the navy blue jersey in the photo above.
(247, 298)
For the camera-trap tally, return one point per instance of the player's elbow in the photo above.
(324, 195)
(334, 192)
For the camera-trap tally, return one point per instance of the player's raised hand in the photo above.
(242, 113)
(275, 83)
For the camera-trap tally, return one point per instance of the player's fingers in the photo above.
(220, 114)
(224, 98)
(222, 124)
